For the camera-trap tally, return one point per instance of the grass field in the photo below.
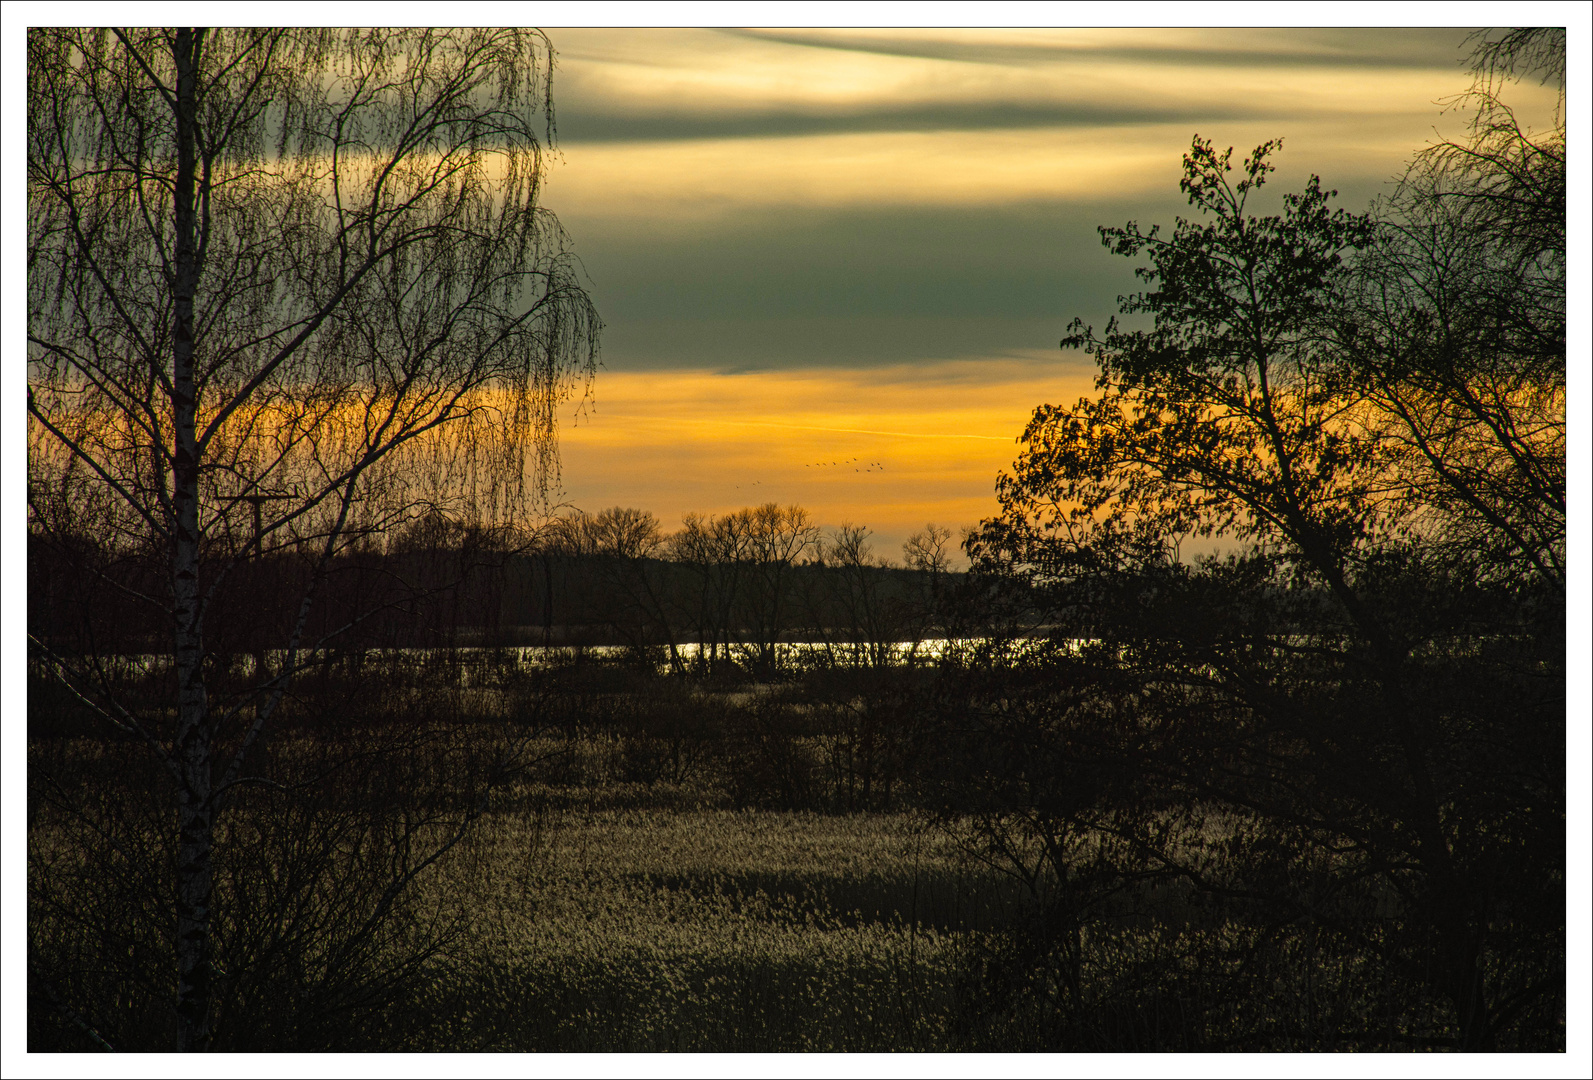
(639, 882)
(590, 912)
(710, 930)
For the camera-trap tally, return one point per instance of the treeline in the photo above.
(729, 589)
(725, 592)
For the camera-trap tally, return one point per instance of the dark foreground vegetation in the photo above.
(1244, 731)
(1026, 844)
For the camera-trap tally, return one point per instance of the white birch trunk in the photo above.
(195, 813)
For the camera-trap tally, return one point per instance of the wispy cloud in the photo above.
(694, 124)
(702, 83)
(1225, 47)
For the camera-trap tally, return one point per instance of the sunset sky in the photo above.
(835, 264)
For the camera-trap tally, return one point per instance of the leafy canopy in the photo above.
(1227, 416)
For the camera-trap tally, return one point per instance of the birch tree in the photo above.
(286, 288)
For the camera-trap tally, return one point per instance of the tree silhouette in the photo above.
(287, 289)
(1367, 688)
(1456, 327)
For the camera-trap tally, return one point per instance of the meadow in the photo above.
(482, 850)
(613, 895)
(706, 930)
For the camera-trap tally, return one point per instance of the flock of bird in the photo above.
(867, 466)
(857, 464)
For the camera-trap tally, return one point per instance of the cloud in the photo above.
(978, 261)
(702, 179)
(1375, 47)
(690, 126)
(856, 286)
(654, 84)
(870, 285)
(582, 124)
(734, 345)
(698, 180)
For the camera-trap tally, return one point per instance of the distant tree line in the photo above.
(735, 587)
(724, 591)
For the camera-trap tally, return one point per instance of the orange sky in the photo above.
(890, 448)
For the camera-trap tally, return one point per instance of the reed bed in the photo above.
(706, 930)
